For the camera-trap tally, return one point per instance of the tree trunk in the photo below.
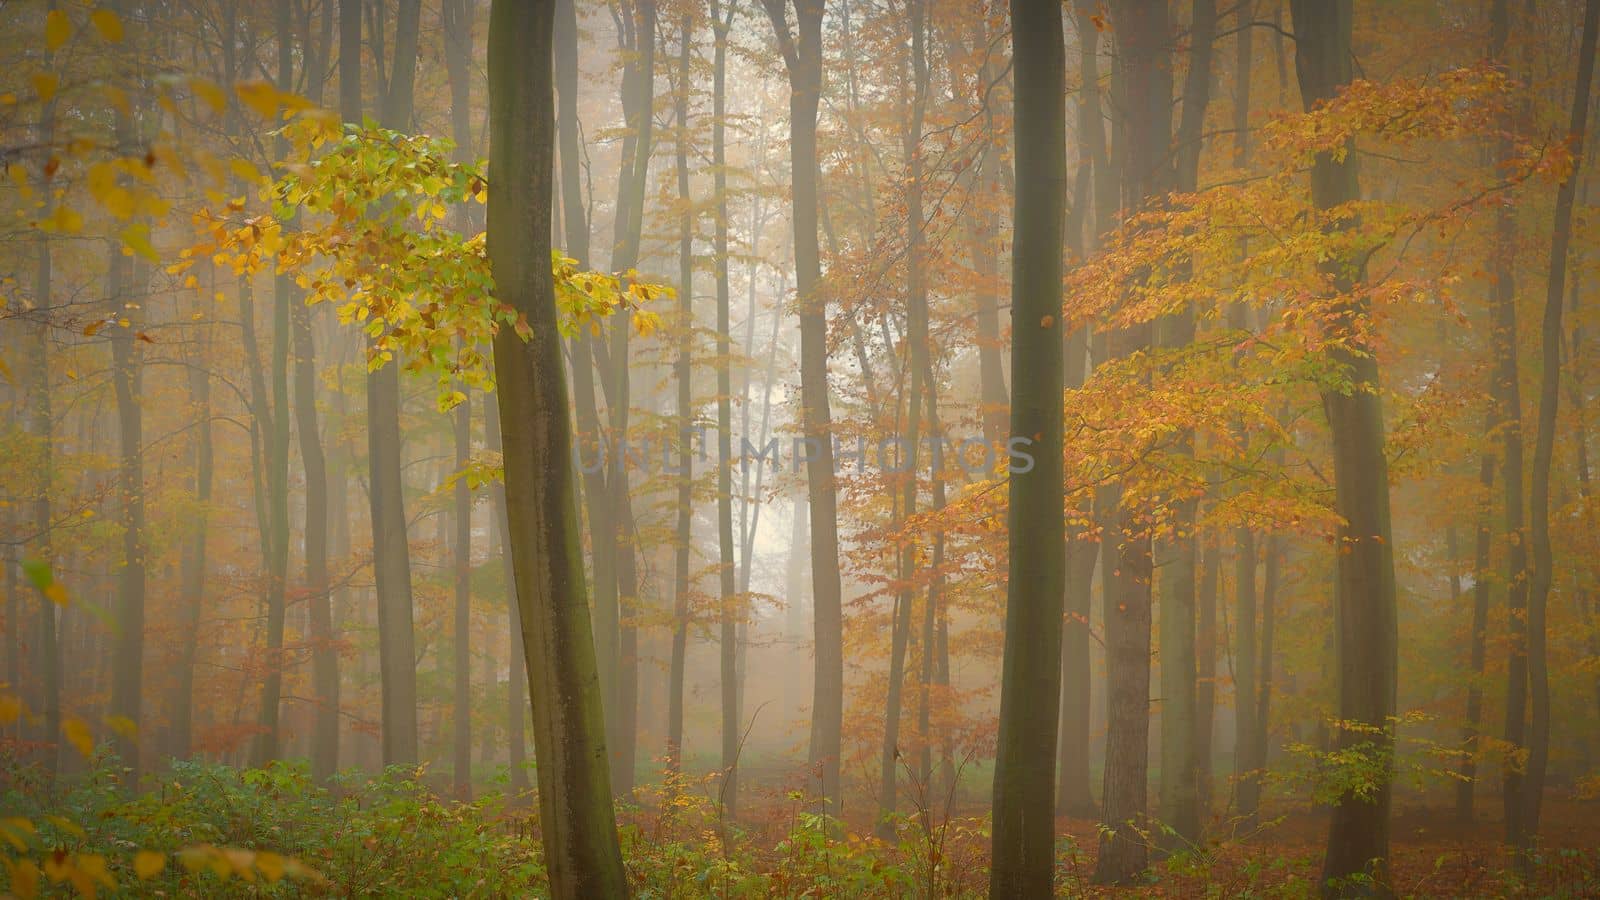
(1365, 629)
(1544, 446)
(682, 533)
(1024, 777)
(42, 428)
(916, 340)
(1180, 795)
(1144, 38)
(517, 684)
(457, 15)
(577, 819)
(733, 606)
(802, 53)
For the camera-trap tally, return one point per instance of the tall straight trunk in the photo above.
(457, 15)
(461, 563)
(1074, 793)
(581, 849)
(1024, 777)
(276, 428)
(638, 99)
(517, 684)
(1365, 629)
(319, 598)
(1179, 793)
(127, 668)
(596, 494)
(1247, 786)
(732, 606)
(682, 372)
(1506, 393)
(39, 413)
(391, 550)
(993, 398)
(1271, 580)
(1206, 663)
(802, 55)
(1544, 444)
(192, 562)
(1144, 38)
(916, 340)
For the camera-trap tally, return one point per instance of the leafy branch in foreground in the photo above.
(367, 225)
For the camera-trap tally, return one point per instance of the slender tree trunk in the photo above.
(1365, 629)
(1024, 833)
(1074, 793)
(1144, 38)
(1544, 444)
(325, 653)
(917, 341)
(733, 606)
(1180, 795)
(1206, 663)
(802, 53)
(42, 427)
(391, 549)
(682, 534)
(516, 687)
(577, 819)
(457, 15)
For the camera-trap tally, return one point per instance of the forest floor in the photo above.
(205, 830)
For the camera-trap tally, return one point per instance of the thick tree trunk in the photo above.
(578, 823)
(1365, 629)
(1024, 833)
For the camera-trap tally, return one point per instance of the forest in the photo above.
(799, 448)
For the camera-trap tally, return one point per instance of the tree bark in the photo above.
(1544, 446)
(1365, 629)
(576, 814)
(802, 54)
(1024, 844)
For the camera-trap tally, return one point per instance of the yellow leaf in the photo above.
(57, 593)
(57, 28)
(243, 169)
(260, 96)
(136, 237)
(272, 866)
(106, 22)
(44, 84)
(124, 726)
(63, 220)
(147, 864)
(16, 830)
(208, 92)
(79, 736)
(25, 880)
(10, 709)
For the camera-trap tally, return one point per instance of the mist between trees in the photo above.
(798, 448)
